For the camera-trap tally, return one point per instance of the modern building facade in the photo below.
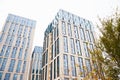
(15, 48)
(36, 64)
(67, 42)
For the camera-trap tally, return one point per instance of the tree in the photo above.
(109, 45)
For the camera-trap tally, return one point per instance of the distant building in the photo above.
(36, 64)
(15, 48)
(67, 42)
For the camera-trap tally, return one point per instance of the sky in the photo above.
(44, 11)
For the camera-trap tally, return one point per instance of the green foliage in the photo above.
(110, 44)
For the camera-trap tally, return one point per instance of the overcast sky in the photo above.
(44, 11)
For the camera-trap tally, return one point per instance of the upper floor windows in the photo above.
(72, 45)
(76, 32)
(3, 50)
(82, 34)
(3, 64)
(73, 66)
(7, 76)
(14, 52)
(65, 44)
(69, 30)
(11, 67)
(8, 51)
(63, 28)
(66, 69)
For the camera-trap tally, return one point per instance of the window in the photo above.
(82, 35)
(1, 37)
(88, 65)
(46, 73)
(73, 66)
(3, 50)
(54, 68)
(8, 39)
(57, 46)
(19, 66)
(63, 28)
(7, 76)
(24, 66)
(88, 36)
(11, 67)
(15, 76)
(7, 51)
(86, 50)
(65, 44)
(14, 52)
(69, 30)
(92, 36)
(20, 53)
(21, 77)
(58, 64)
(1, 75)
(76, 32)
(51, 71)
(25, 55)
(3, 64)
(11, 40)
(1, 60)
(80, 62)
(54, 33)
(33, 77)
(78, 47)
(36, 77)
(66, 69)
(72, 46)
(24, 43)
(18, 42)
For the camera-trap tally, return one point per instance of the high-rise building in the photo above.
(36, 64)
(15, 48)
(67, 41)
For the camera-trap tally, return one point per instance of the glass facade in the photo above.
(36, 64)
(70, 39)
(13, 41)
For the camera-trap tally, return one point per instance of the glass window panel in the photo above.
(58, 64)
(66, 69)
(72, 46)
(24, 67)
(80, 62)
(11, 67)
(69, 30)
(3, 50)
(14, 52)
(7, 76)
(8, 51)
(73, 66)
(63, 28)
(20, 53)
(21, 77)
(78, 47)
(82, 34)
(76, 32)
(15, 76)
(55, 69)
(86, 50)
(19, 66)
(3, 64)
(88, 36)
(51, 68)
(88, 65)
(1, 75)
(65, 44)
